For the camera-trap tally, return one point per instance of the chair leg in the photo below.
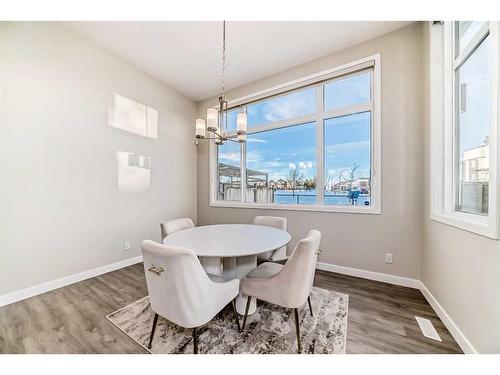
(195, 340)
(249, 299)
(296, 311)
(310, 307)
(236, 314)
(155, 320)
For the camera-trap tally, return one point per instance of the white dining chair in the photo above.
(171, 226)
(287, 285)
(274, 222)
(180, 290)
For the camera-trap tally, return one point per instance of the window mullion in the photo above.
(345, 111)
(471, 46)
(243, 171)
(281, 124)
(448, 134)
(320, 154)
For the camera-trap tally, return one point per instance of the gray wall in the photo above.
(461, 269)
(61, 211)
(359, 240)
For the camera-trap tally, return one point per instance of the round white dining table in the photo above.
(230, 250)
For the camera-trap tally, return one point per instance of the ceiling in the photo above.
(187, 56)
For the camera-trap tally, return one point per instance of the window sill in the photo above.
(468, 222)
(373, 210)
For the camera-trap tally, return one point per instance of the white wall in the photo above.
(461, 269)
(359, 240)
(61, 211)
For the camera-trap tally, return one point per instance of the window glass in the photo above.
(229, 173)
(347, 91)
(281, 165)
(298, 103)
(231, 119)
(473, 129)
(348, 160)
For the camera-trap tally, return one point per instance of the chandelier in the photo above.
(216, 123)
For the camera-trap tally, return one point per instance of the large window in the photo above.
(313, 144)
(464, 125)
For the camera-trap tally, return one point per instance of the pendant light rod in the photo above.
(223, 57)
(217, 120)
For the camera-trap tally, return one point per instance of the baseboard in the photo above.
(370, 275)
(32, 291)
(457, 334)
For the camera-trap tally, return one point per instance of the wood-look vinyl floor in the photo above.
(72, 319)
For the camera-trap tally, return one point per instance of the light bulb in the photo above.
(200, 128)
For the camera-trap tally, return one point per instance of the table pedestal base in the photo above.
(233, 268)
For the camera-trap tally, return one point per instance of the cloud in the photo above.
(256, 140)
(305, 164)
(232, 156)
(285, 107)
(334, 149)
(292, 166)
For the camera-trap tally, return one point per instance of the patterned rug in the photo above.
(271, 329)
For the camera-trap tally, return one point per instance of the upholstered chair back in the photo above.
(179, 289)
(171, 226)
(297, 275)
(274, 222)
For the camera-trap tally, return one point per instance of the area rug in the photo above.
(271, 329)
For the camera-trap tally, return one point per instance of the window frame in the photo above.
(444, 63)
(316, 80)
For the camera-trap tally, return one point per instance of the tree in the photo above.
(352, 175)
(294, 180)
(341, 174)
(310, 184)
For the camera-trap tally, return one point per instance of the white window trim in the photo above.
(376, 138)
(442, 189)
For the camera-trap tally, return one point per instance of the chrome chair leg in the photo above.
(249, 299)
(297, 328)
(155, 320)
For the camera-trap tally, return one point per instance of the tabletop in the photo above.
(229, 240)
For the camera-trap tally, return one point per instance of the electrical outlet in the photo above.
(126, 246)
(388, 258)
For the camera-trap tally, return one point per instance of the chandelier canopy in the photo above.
(217, 119)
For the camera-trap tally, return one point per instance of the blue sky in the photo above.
(277, 152)
(474, 122)
(349, 91)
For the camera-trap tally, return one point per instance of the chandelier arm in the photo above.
(220, 136)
